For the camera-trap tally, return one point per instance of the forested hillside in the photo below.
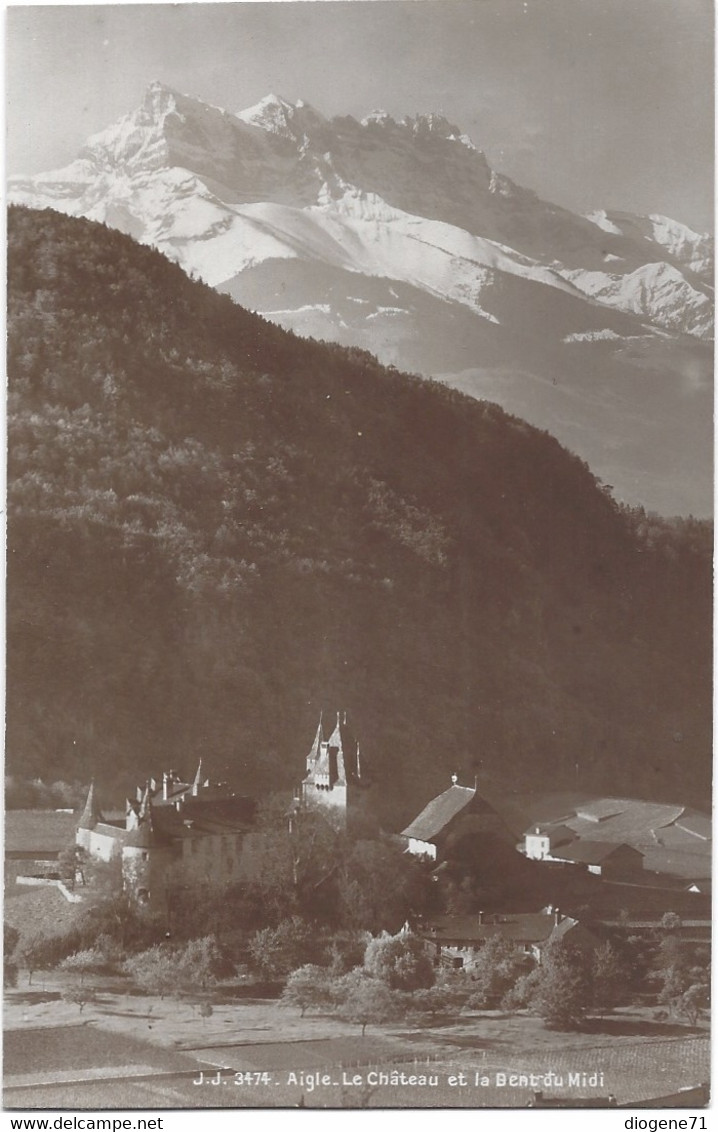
(216, 529)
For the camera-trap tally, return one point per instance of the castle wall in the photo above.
(145, 872)
(211, 859)
(104, 842)
(332, 801)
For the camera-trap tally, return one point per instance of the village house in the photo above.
(558, 843)
(655, 839)
(448, 825)
(456, 941)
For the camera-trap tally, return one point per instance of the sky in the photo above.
(592, 103)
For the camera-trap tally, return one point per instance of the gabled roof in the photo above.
(557, 833)
(439, 812)
(636, 823)
(589, 852)
(699, 825)
(601, 809)
(519, 927)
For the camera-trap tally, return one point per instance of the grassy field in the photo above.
(33, 830)
(129, 1051)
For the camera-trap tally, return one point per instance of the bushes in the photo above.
(166, 970)
(400, 961)
(562, 991)
(365, 1000)
(42, 952)
(309, 987)
(90, 961)
(495, 971)
(275, 952)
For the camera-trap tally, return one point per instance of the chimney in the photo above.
(481, 917)
(556, 916)
(165, 785)
(454, 779)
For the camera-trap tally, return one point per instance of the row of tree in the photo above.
(371, 979)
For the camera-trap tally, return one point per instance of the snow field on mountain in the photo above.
(412, 200)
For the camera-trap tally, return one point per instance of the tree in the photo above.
(224, 907)
(365, 1000)
(153, 970)
(400, 961)
(345, 950)
(309, 987)
(679, 977)
(439, 999)
(73, 862)
(494, 971)
(277, 951)
(116, 916)
(80, 995)
(563, 992)
(694, 1001)
(205, 1011)
(89, 961)
(610, 976)
(166, 970)
(671, 969)
(296, 868)
(380, 885)
(200, 963)
(670, 922)
(521, 994)
(41, 952)
(11, 937)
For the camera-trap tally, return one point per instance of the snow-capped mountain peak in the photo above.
(413, 200)
(438, 125)
(285, 119)
(397, 236)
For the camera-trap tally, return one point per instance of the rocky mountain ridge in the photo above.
(354, 182)
(397, 236)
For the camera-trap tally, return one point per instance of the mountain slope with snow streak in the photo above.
(397, 236)
(369, 196)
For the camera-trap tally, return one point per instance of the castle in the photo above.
(187, 834)
(334, 784)
(174, 833)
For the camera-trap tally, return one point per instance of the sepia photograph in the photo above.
(359, 657)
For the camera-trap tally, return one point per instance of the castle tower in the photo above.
(146, 857)
(333, 779)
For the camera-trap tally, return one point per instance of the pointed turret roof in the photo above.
(316, 745)
(91, 814)
(335, 739)
(146, 836)
(146, 802)
(197, 778)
